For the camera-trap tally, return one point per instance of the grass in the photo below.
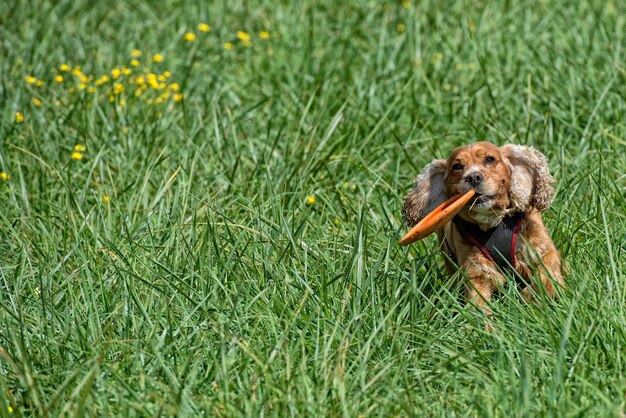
(179, 267)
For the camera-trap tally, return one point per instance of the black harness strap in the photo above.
(498, 243)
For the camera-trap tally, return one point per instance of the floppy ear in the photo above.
(428, 193)
(531, 182)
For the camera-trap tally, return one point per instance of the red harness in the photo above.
(498, 243)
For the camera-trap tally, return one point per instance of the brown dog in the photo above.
(500, 229)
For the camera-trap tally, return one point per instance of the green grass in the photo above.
(207, 285)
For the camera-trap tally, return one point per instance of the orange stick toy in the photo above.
(437, 218)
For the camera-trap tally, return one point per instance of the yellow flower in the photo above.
(458, 66)
(77, 156)
(178, 97)
(106, 198)
(174, 86)
(77, 72)
(10, 410)
(39, 83)
(102, 80)
(190, 37)
(91, 90)
(134, 63)
(118, 88)
(82, 86)
(115, 73)
(447, 86)
(140, 80)
(406, 4)
(30, 79)
(79, 147)
(19, 117)
(135, 53)
(4, 176)
(228, 45)
(336, 221)
(203, 27)
(400, 28)
(264, 35)
(126, 71)
(167, 74)
(36, 102)
(243, 36)
(157, 58)
(64, 68)
(58, 79)
(310, 200)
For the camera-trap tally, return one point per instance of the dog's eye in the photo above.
(489, 160)
(457, 167)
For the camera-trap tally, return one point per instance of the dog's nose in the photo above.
(474, 179)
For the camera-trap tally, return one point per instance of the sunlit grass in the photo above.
(224, 242)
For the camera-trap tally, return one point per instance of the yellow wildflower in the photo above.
(122, 102)
(57, 102)
(157, 58)
(77, 72)
(4, 176)
(79, 147)
(77, 156)
(161, 78)
(406, 4)
(71, 90)
(228, 45)
(135, 53)
(36, 102)
(64, 67)
(58, 79)
(118, 88)
(10, 409)
(264, 35)
(400, 27)
(178, 97)
(91, 89)
(102, 80)
(39, 83)
(447, 86)
(106, 198)
(190, 36)
(134, 63)
(243, 36)
(30, 79)
(174, 86)
(310, 200)
(167, 74)
(19, 117)
(125, 129)
(336, 221)
(82, 86)
(115, 73)
(203, 27)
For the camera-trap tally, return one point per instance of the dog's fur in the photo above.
(516, 179)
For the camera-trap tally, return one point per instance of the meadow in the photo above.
(200, 207)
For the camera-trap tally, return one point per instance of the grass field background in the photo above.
(224, 242)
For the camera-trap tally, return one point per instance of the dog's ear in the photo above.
(428, 193)
(531, 182)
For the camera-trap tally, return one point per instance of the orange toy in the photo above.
(437, 218)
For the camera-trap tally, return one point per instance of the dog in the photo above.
(499, 235)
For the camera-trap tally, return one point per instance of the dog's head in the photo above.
(507, 179)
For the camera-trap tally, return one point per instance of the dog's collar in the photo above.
(498, 243)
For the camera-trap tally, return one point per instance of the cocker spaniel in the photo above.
(499, 235)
